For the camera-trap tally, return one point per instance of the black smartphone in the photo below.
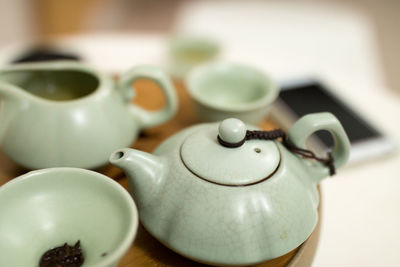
(304, 96)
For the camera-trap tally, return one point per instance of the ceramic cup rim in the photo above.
(200, 73)
(124, 245)
(102, 79)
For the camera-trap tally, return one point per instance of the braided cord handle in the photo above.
(279, 133)
(233, 133)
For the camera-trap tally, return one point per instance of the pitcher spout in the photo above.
(11, 101)
(10, 92)
(145, 172)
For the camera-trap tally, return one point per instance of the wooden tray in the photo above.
(146, 250)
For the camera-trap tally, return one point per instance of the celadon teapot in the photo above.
(217, 198)
(67, 114)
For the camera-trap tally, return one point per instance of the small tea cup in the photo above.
(187, 52)
(46, 208)
(225, 90)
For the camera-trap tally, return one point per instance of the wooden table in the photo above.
(146, 250)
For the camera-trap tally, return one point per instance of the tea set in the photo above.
(221, 192)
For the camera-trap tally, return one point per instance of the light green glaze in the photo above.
(186, 52)
(225, 165)
(232, 130)
(311, 123)
(223, 90)
(67, 114)
(44, 209)
(232, 224)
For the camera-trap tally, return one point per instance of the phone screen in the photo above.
(313, 97)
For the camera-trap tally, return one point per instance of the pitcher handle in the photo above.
(149, 118)
(311, 123)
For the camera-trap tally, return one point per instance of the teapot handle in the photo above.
(149, 118)
(311, 123)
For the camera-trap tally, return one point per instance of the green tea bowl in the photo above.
(46, 208)
(226, 90)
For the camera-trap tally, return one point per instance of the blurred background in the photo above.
(351, 44)
(23, 20)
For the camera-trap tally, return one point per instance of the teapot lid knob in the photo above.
(219, 162)
(232, 132)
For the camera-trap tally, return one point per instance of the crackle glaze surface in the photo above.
(229, 224)
(204, 156)
(80, 130)
(224, 224)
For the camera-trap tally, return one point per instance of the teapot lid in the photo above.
(242, 163)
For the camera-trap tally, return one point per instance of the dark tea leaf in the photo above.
(63, 256)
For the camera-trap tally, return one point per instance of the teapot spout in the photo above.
(145, 172)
